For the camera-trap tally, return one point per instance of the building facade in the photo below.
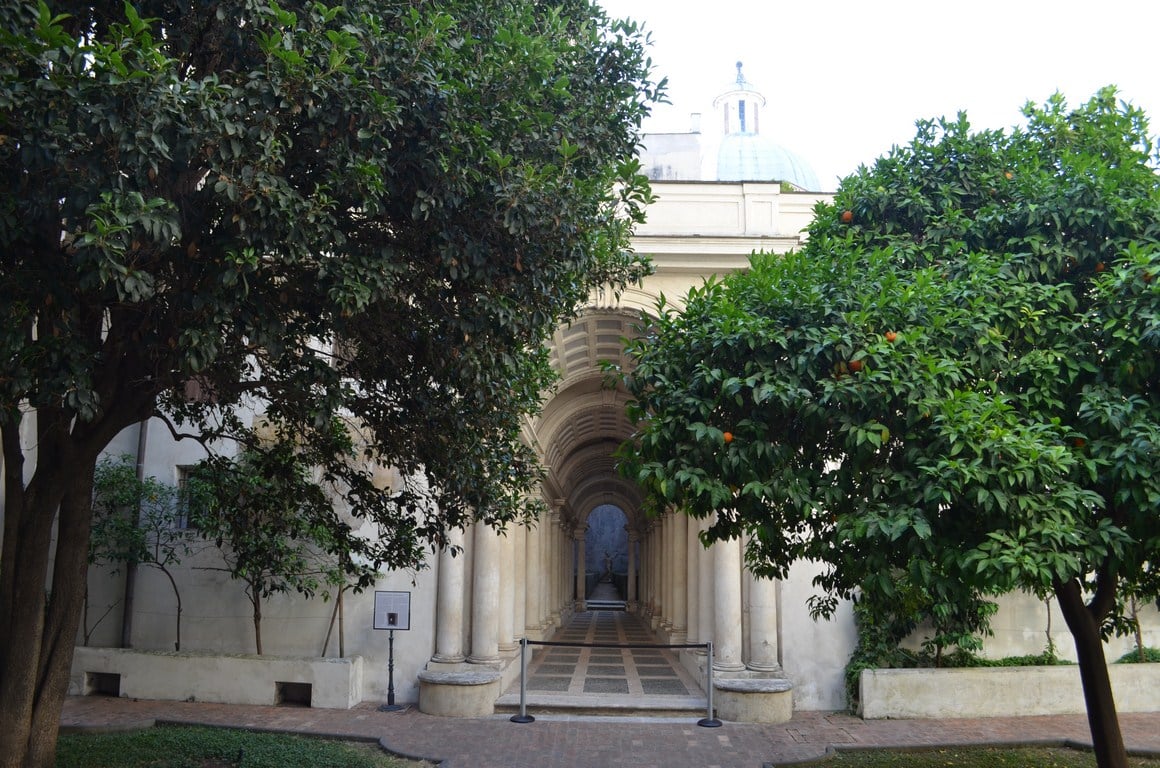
(467, 611)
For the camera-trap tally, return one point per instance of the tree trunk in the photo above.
(22, 601)
(37, 651)
(1107, 741)
(256, 602)
(177, 597)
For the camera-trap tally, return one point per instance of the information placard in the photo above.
(392, 610)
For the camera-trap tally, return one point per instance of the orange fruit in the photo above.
(847, 217)
(727, 437)
(891, 336)
(855, 365)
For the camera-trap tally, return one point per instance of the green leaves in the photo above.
(230, 197)
(959, 384)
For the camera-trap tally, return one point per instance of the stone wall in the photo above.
(999, 691)
(236, 678)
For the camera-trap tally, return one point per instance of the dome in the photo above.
(753, 157)
(746, 155)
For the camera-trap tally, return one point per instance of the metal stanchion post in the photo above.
(709, 721)
(391, 706)
(523, 716)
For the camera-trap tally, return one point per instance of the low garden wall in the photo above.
(329, 683)
(999, 691)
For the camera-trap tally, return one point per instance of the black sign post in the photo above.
(392, 611)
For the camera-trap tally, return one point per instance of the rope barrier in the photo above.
(709, 721)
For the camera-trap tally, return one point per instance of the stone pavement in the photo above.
(602, 742)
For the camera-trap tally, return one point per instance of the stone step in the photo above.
(589, 705)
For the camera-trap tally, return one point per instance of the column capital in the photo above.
(579, 532)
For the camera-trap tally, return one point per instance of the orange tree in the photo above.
(955, 385)
(365, 211)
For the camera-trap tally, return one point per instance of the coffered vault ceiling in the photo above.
(584, 420)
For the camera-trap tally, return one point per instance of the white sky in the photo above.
(846, 80)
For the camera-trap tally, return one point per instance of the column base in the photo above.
(446, 664)
(485, 660)
(464, 694)
(754, 701)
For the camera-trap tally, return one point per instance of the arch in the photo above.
(585, 419)
(608, 559)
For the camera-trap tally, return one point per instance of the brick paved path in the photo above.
(495, 742)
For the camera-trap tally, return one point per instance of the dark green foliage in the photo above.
(1005, 437)
(407, 196)
(273, 523)
(372, 213)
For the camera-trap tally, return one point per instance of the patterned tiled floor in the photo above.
(607, 673)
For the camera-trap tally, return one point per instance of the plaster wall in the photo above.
(700, 209)
(697, 229)
(813, 652)
(216, 615)
(1022, 623)
(216, 619)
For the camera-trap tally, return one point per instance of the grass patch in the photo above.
(981, 757)
(192, 747)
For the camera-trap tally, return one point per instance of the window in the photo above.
(184, 516)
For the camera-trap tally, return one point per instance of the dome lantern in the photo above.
(745, 154)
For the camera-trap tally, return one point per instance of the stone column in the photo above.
(581, 587)
(555, 561)
(692, 582)
(519, 534)
(630, 598)
(667, 571)
(449, 602)
(727, 595)
(655, 555)
(534, 578)
(485, 596)
(705, 590)
(507, 596)
(567, 563)
(762, 624)
(680, 578)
